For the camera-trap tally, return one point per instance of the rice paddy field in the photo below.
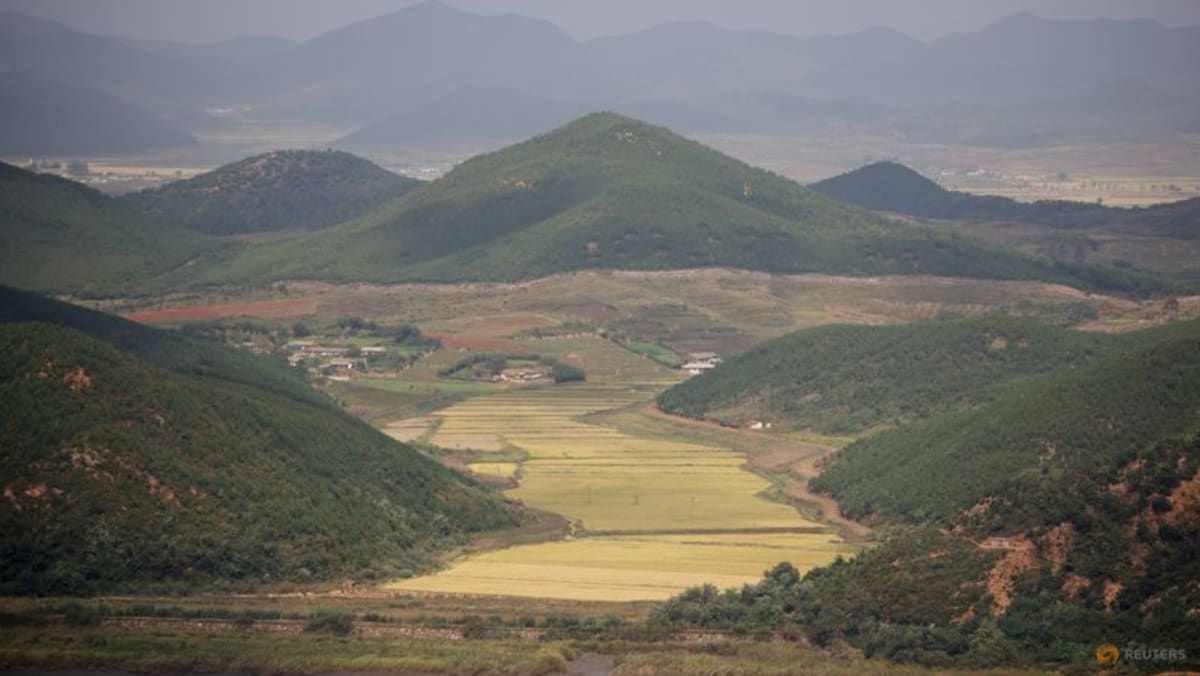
(654, 507)
(651, 516)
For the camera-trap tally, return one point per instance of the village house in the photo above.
(697, 367)
(324, 350)
(341, 364)
(701, 362)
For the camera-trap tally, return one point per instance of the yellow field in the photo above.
(653, 516)
(408, 430)
(628, 568)
(501, 469)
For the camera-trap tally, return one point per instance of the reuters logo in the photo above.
(1107, 654)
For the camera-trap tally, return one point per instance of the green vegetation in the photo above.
(248, 651)
(57, 235)
(1028, 529)
(488, 366)
(844, 379)
(283, 190)
(654, 351)
(1042, 432)
(609, 192)
(136, 458)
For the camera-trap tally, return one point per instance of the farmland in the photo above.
(652, 517)
(654, 505)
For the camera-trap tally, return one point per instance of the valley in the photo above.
(653, 505)
(449, 342)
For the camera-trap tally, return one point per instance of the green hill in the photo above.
(610, 192)
(136, 458)
(284, 190)
(57, 235)
(847, 379)
(1060, 515)
(888, 186)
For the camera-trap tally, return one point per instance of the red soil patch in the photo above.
(289, 307)
(460, 342)
(506, 325)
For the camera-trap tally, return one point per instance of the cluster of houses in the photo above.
(700, 362)
(338, 360)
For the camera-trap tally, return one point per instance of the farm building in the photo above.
(325, 350)
(697, 367)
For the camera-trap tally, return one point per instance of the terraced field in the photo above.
(652, 516)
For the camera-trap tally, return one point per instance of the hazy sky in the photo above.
(207, 20)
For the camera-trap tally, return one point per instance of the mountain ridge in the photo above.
(279, 190)
(609, 191)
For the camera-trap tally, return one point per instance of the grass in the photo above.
(279, 653)
(655, 351)
(767, 659)
(501, 469)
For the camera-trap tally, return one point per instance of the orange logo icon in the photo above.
(1107, 654)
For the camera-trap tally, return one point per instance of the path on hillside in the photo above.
(800, 459)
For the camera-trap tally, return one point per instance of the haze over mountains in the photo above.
(421, 70)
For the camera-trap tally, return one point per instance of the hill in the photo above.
(848, 379)
(137, 457)
(1059, 515)
(888, 186)
(57, 235)
(47, 118)
(607, 191)
(283, 190)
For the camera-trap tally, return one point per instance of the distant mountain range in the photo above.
(425, 69)
(42, 117)
(136, 458)
(284, 190)
(888, 186)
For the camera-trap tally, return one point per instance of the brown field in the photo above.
(267, 309)
(716, 309)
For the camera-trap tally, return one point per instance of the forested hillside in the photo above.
(1058, 516)
(141, 459)
(58, 235)
(847, 379)
(283, 190)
